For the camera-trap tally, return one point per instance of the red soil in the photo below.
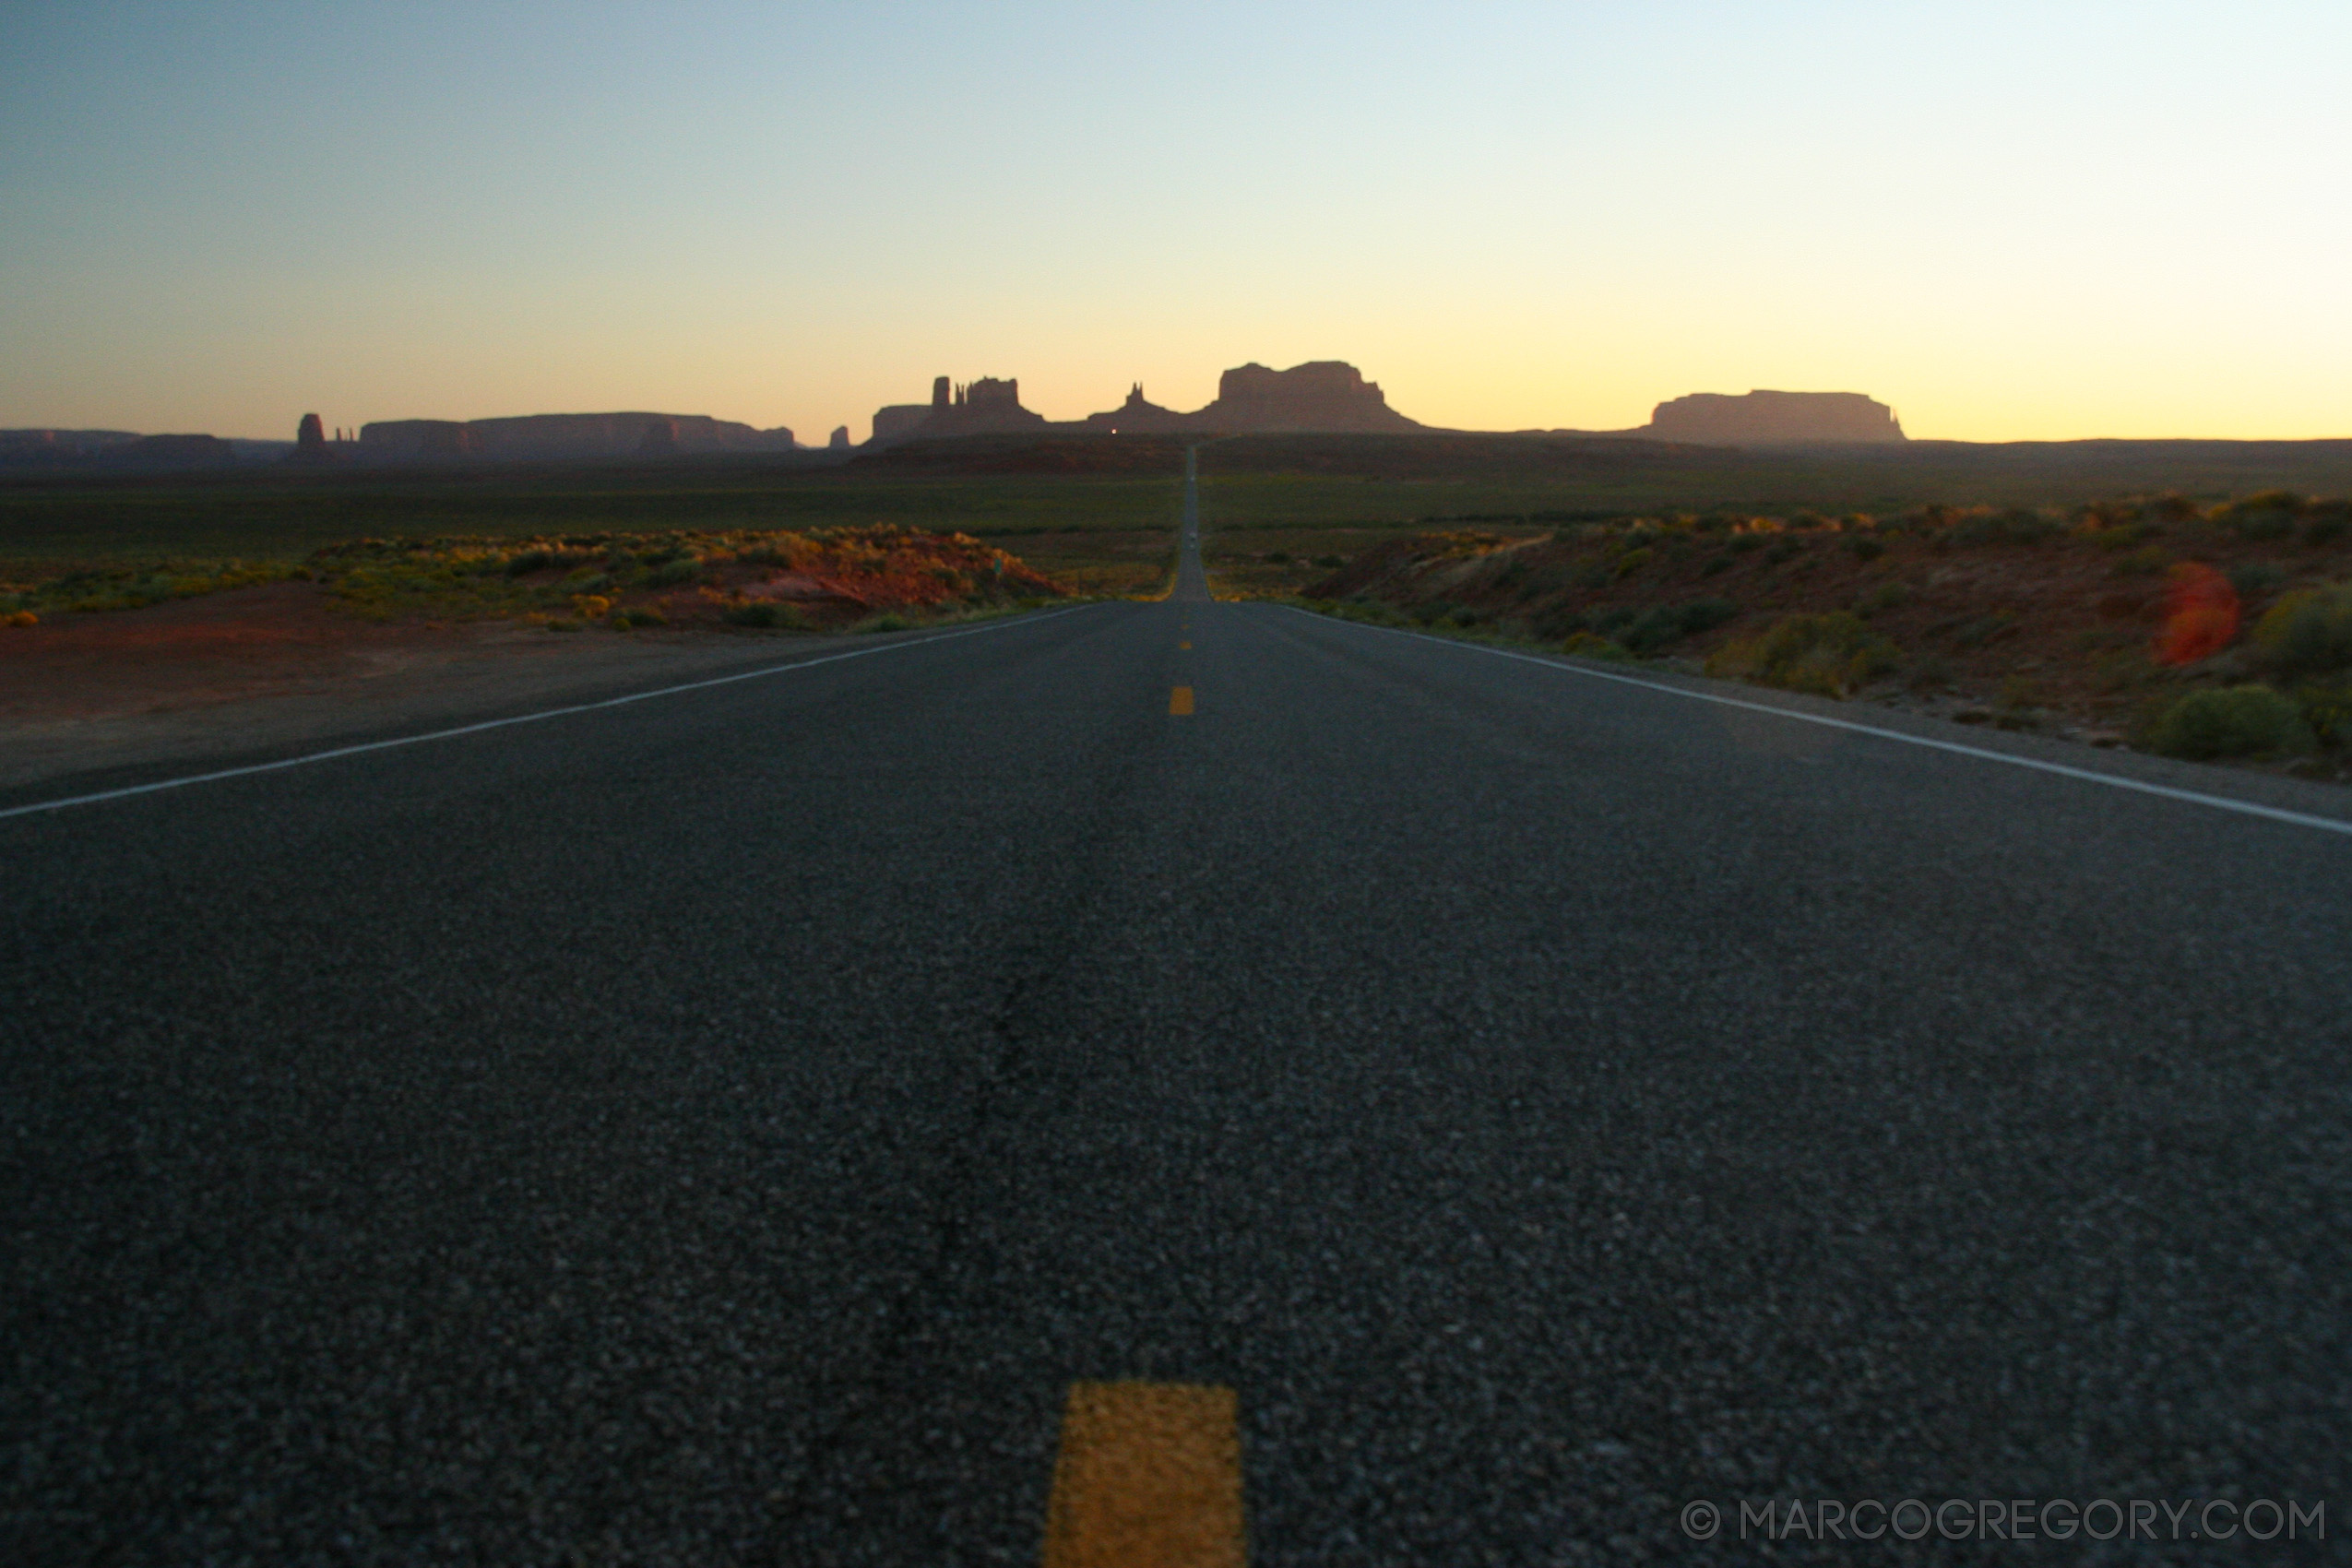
(247, 642)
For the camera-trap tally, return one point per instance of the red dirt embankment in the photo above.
(191, 652)
(2084, 624)
(417, 633)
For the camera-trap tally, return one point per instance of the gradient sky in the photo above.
(2010, 221)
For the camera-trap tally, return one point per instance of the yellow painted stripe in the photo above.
(1183, 645)
(1180, 701)
(1149, 1476)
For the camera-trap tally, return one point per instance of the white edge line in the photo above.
(308, 757)
(2220, 802)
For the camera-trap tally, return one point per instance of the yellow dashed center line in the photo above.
(1183, 645)
(1180, 701)
(1149, 1476)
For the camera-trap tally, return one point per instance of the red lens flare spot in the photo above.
(2201, 615)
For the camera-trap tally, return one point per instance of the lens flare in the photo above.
(2201, 615)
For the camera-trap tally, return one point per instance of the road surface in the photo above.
(724, 1127)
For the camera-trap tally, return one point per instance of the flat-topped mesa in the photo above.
(1764, 419)
(1321, 395)
(568, 435)
(986, 407)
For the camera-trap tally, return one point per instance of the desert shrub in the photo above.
(1831, 654)
(2307, 633)
(2018, 525)
(629, 619)
(2266, 515)
(2229, 721)
(1886, 596)
(1785, 549)
(2327, 712)
(2256, 578)
(1984, 629)
(2121, 536)
(886, 624)
(20, 618)
(1592, 645)
(1743, 542)
(1929, 673)
(1277, 558)
(2326, 530)
(1431, 613)
(529, 560)
(1332, 561)
(1715, 565)
(1654, 628)
(1866, 548)
(772, 617)
(2146, 563)
(674, 573)
(1633, 561)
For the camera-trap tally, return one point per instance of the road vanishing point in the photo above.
(1165, 1083)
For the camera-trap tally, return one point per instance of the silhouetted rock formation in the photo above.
(311, 448)
(45, 448)
(567, 437)
(896, 422)
(170, 452)
(1764, 418)
(840, 441)
(987, 407)
(1138, 416)
(1321, 395)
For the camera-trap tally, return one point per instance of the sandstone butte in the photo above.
(1329, 396)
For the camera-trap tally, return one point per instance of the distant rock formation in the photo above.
(171, 452)
(1138, 416)
(840, 439)
(987, 407)
(566, 436)
(896, 422)
(51, 446)
(311, 448)
(1320, 395)
(1764, 418)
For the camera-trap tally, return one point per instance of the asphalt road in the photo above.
(720, 1129)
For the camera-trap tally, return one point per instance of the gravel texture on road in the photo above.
(720, 1129)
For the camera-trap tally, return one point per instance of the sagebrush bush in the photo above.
(1654, 628)
(2230, 721)
(2307, 633)
(772, 617)
(1592, 645)
(2327, 712)
(1829, 654)
(672, 573)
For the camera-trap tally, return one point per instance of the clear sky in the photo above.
(2010, 221)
